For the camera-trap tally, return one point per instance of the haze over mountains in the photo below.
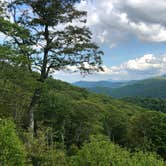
(153, 87)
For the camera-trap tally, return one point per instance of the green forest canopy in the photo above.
(67, 116)
(71, 126)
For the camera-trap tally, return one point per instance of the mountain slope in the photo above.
(157, 104)
(69, 115)
(154, 88)
(107, 84)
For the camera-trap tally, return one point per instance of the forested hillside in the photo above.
(157, 104)
(72, 123)
(153, 88)
(47, 122)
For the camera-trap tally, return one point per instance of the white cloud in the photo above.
(112, 45)
(112, 20)
(146, 66)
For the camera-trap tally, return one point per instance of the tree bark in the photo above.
(34, 101)
(43, 77)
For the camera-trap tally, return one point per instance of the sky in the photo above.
(132, 34)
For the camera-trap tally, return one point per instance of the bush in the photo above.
(44, 152)
(101, 152)
(11, 149)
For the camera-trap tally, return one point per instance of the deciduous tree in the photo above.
(52, 35)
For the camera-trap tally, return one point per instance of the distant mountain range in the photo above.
(108, 84)
(153, 87)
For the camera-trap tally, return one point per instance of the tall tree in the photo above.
(52, 35)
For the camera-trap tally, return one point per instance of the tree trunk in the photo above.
(43, 77)
(33, 103)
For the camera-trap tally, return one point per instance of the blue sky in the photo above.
(130, 49)
(132, 34)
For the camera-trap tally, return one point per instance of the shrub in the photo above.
(11, 149)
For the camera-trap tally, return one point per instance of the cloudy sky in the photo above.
(132, 34)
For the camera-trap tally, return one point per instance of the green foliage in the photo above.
(66, 116)
(115, 125)
(147, 132)
(73, 121)
(69, 115)
(15, 92)
(85, 120)
(12, 151)
(35, 26)
(153, 88)
(42, 151)
(101, 152)
(34, 33)
(157, 104)
(16, 85)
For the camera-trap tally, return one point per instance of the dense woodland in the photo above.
(47, 122)
(75, 126)
(158, 104)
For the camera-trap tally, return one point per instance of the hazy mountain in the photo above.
(108, 84)
(153, 87)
